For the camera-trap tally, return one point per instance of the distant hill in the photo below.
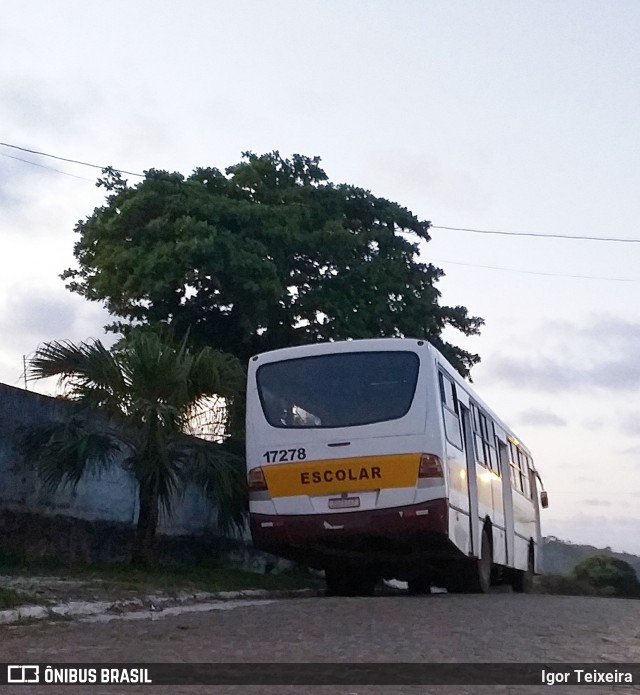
(559, 556)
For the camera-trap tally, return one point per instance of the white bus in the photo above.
(374, 459)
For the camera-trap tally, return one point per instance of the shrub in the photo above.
(608, 576)
(563, 585)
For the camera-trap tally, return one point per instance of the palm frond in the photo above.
(215, 372)
(219, 471)
(168, 380)
(87, 372)
(62, 452)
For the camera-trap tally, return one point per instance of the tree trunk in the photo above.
(236, 413)
(144, 549)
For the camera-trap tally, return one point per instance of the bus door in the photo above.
(472, 480)
(484, 440)
(507, 497)
(533, 482)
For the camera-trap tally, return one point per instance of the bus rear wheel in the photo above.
(350, 581)
(478, 575)
(420, 584)
(523, 579)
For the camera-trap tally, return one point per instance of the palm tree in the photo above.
(134, 404)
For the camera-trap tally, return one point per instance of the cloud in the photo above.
(597, 503)
(629, 423)
(570, 357)
(541, 418)
(585, 479)
(41, 315)
(607, 330)
(594, 424)
(556, 375)
(534, 373)
(631, 451)
(37, 315)
(33, 105)
(409, 173)
(10, 199)
(31, 314)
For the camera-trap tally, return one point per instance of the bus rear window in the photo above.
(339, 390)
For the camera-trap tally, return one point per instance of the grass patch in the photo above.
(208, 576)
(11, 599)
(13, 564)
(203, 577)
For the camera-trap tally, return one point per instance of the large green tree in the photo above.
(266, 255)
(134, 403)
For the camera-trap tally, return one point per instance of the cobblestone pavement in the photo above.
(492, 628)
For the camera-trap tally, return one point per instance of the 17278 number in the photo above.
(282, 455)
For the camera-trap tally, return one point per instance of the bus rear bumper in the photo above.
(377, 535)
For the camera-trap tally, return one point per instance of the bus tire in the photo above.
(337, 582)
(367, 584)
(420, 585)
(523, 580)
(478, 580)
(350, 582)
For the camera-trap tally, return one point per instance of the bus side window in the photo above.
(478, 444)
(525, 475)
(530, 475)
(484, 438)
(522, 466)
(492, 448)
(513, 467)
(452, 428)
(488, 439)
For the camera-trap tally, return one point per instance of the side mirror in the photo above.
(544, 499)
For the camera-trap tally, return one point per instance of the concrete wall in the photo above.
(109, 497)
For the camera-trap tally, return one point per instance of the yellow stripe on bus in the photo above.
(360, 473)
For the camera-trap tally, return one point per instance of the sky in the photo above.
(501, 115)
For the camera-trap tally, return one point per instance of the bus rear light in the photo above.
(256, 480)
(430, 467)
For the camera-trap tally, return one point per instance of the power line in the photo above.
(65, 159)
(539, 235)
(43, 166)
(535, 272)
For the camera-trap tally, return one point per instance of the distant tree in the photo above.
(267, 255)
(608, 575)
(146, 388)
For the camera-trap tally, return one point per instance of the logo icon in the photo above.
(23, 673)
